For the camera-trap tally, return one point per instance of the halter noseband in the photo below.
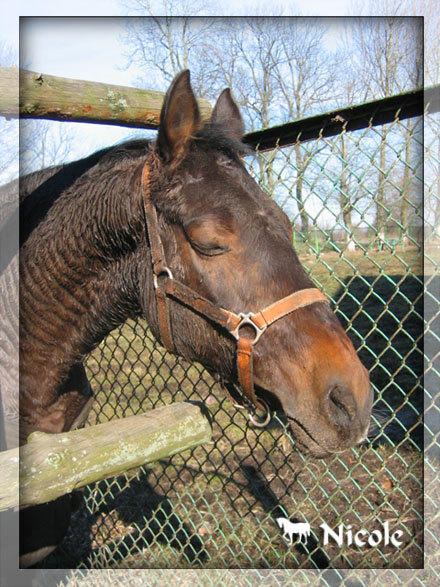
(166, 287)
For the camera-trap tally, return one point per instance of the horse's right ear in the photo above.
(226, 114)
(179, 118)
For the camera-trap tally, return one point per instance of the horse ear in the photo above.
(227, 115)
(179, 118)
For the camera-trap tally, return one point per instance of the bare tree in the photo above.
(388, 54)
(277, 68)
(305, 74)
(280, 71)
(349, 195)
(163, 44)
(43, 143)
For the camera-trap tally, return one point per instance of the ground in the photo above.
(215, 506)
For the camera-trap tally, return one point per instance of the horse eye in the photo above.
(209, 250)
(206, 237)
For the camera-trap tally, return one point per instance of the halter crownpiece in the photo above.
(167, 287)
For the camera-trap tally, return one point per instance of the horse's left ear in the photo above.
(227, 115)
(179, 118)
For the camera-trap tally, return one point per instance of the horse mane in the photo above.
(217, 138)
(39, 190)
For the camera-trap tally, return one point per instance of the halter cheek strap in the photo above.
(167, 287)
(158, 262)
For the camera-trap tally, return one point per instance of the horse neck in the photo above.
(79, 271)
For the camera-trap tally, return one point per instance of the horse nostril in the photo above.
(341, 405)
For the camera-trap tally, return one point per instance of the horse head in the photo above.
(226, 240)
(214, 273)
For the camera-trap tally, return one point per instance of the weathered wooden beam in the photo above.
(51, 465)
(351, 118)
(59, 98)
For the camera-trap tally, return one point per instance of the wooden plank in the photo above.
(51, 465)
(57, 98)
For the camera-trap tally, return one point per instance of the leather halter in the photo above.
(167, 287)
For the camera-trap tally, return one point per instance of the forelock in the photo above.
(216, 138)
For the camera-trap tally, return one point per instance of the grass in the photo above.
(215, 506)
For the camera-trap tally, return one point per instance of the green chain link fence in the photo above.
(361, 225)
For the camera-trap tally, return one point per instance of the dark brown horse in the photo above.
(87, 263)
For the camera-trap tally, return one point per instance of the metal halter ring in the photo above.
(267, 419)
(247, 319)
(164, 271)
(257, 423)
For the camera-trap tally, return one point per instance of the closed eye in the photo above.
(209, 250)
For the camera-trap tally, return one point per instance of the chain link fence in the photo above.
(356, 202)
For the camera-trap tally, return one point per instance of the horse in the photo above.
(290, 528)
(176, 231)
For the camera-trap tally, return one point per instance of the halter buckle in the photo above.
(163, 271)
(247, 319)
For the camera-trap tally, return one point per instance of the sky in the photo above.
(92, 49)
(11, 11)
(86, 48)
(78, 48)
(55, 48)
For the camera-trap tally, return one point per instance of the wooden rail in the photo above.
(356, 117)
(59, 98)
(51, 465)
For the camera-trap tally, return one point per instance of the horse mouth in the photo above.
(306, 441)
(311, 446)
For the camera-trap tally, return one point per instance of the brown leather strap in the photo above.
(156, 247)
(158, 262)
(201, 305)
(291, 303)
(262, 320)
(163, 318)
(245, 368)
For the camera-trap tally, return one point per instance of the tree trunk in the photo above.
(344, 200)
(406, 187)
(299, 194)
(381, 214)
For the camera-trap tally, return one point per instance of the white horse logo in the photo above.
(289, 529)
